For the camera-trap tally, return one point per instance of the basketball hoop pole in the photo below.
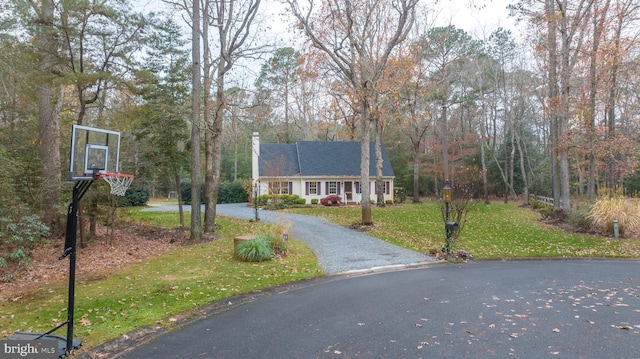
(94, 155)
(79, 189)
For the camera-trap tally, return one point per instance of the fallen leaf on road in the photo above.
(556, 330)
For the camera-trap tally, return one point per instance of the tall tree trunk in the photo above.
(523, 170)
(505, 175)
(215, 137)
(552, 98)
(599, 18)
(444, 131)
(217, 148)
(483, 160)
(416, 173)
(512, 157)
(379, 163)
(563, 113)
(176, 179)
(365, 188)
(417, 133)
(49, 129)
(209, 118)
(610, 105)
(196, 223)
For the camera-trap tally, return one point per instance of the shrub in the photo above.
(185, 188)
(545, 211)
(228, 192)
(301, 201)
(579, 220)
(389, 202)
(277, 244)
(536, 205)
(399, 194)
(255, 250)
(606, 210)
(314, 201)
(331, 200)
(21, 234)
(285, 198)
(265, 199)
(134, 198)
(288, 199)
(232, 192)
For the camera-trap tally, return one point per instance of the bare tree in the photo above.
(358, 38)
(49, 134)
(196, 224)
(233, 20)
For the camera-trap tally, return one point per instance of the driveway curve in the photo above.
(339, 250)
(486, 309)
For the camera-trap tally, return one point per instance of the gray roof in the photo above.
(318, 159)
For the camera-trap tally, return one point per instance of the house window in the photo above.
(385, 187)
(358, 189)
(280, 187)
(333, 187)
(312, 188)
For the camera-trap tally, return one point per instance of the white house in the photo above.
(316, 169)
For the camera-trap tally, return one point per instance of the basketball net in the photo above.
(118, 182)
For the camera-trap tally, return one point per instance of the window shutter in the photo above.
(388, 187)
(357, 187)
(326, 187)
(290, 187)
(338, 188)
(319, 188)
(306, 188)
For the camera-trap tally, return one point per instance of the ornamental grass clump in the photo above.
(254, 250)
(278, 245)
(606, 210)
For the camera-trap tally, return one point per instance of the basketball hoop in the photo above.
(118, 182)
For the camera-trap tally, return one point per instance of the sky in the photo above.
(479, 20)
(477, 17)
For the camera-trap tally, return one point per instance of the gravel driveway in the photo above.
(338, 249)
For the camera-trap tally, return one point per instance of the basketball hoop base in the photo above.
(62, 342)
(119, 182)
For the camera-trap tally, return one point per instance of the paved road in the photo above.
(523, 309)
(338, 250)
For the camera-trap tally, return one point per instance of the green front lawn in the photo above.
(492, 231)
(191, 276)
(149, 292)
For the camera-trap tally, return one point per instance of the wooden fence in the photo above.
(542, 199)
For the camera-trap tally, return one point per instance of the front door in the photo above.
(348, 191)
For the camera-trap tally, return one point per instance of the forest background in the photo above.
(551, 110)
